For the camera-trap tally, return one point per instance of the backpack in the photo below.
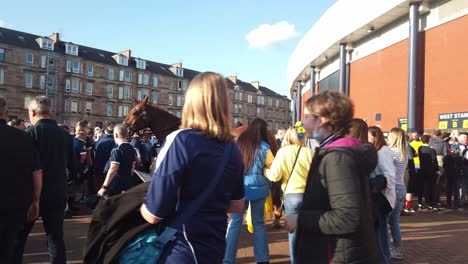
(115, 222)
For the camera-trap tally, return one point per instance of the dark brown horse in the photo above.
(275, 186)
(144, 115)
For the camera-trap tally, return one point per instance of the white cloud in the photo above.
(267, 35)
(3, 23)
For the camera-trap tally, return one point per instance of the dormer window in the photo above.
(236, 87)
(259, 93)
(123, 60)
(179, 72)
(46, 43)
(140, 64)
(71, 49)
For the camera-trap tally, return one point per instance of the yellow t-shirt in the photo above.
(416, 145)
(283, 164)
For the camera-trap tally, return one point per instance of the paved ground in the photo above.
(429, 237)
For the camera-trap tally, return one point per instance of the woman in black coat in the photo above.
(335, 224)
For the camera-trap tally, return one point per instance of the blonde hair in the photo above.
(397, 139)
(207, 107)
(291, 138)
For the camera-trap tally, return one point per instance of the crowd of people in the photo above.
(51, 168)
(344, 184)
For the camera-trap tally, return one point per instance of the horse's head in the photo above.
(138, 118)
(144, 115)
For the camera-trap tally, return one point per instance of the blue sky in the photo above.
(250, 39)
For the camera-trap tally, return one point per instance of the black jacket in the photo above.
(17, 162)
(428, 161)
(335, 218)
(55, 148)
(116, 221)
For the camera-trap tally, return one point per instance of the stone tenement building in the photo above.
(98, 85)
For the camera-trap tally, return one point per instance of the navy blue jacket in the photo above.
(102, 151)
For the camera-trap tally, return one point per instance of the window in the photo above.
(184, 86)
(67, 105)
(76, 66)
(126, 93)
(42, 81)
(89, 89)
(27, 100)
(74, 106)
(236, 87)
(260, 100)
(71, 49)
(90, 70)
(179, 72)
(238, 96)
(46, 44)
(178, 114)
(270, 101)
(2, 76)
(75, 86)
(123, 110)
(155, 81)
(121, 75)
(28, 79)
(140, 78)
(111, 74)
(249, 98)
(170, 100)
(128, 76)
(141, 64)
(277, 103)
(109, 109)
(145, 79)
(43, 61)
(2, 54)
(179, 100)
(68, 66)
(179, 85)
(110, 91)
(121, 92)
(88, 107)
(142, 93)
(154, 95)
(123, 60)
(171, 84)
(67, 86)
(237, 108)
(259, 112)
(29, 59)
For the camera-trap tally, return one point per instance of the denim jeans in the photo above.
(260, 240)
(394, 218)
(292, 204)
(383, 240)
(53, 226)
